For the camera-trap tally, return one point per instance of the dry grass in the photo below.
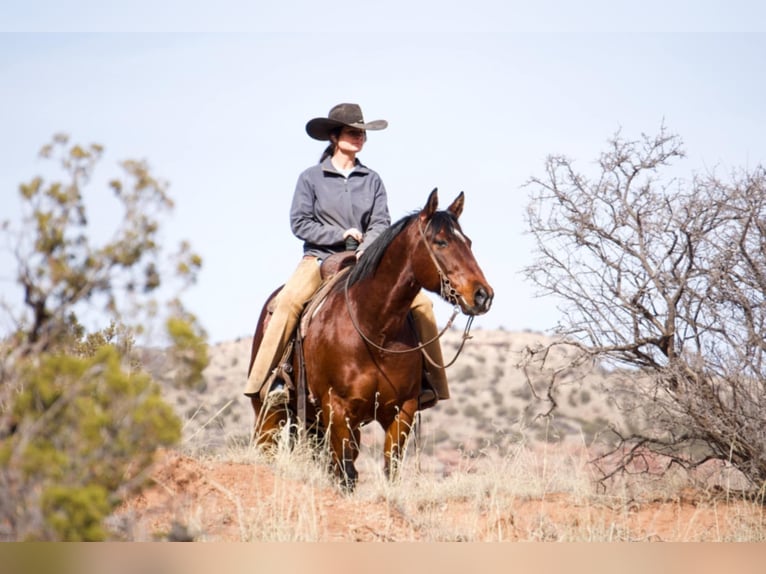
(484, 467)
(535, 493)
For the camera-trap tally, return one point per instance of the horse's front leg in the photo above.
(397, 433)
(344, 443)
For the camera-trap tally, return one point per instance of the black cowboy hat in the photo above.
(341, 115)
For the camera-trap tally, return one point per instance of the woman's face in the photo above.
(351, 140)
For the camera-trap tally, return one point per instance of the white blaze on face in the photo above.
(460, 236)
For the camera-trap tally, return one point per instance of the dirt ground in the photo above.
(199, 500)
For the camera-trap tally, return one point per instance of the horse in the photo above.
(361, 357)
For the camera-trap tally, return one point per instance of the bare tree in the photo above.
(666, 277)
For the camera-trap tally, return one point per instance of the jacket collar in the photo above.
(359, 167)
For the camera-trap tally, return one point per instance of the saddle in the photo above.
(335, 262)
(328, 270)
(332, 269)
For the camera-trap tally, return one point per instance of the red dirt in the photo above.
(207, 500)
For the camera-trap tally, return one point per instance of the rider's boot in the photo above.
(269, 372)
(435, 386)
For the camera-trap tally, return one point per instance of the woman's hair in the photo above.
(329, 151)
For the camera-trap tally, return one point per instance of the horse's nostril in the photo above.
(481, 298)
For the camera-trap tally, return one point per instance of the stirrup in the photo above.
(427, 398)
(278, 393)
(276, 388)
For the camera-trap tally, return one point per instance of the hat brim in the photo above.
(320, 128)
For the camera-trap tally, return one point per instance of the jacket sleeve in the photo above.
(303, 221)
(380, 219)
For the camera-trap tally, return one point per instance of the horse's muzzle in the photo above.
(482, 301)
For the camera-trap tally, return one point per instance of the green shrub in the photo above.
(85, 432)
(80, 420)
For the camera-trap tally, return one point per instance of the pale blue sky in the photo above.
(475, 101)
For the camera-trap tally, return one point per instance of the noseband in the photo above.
(448, 293)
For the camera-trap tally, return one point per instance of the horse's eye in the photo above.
(441, 243)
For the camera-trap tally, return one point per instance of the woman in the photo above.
(336, 201)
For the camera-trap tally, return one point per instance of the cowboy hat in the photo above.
(341, 115)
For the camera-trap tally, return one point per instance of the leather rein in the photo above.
(448, 293)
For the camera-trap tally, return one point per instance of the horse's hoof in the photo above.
(348, 486)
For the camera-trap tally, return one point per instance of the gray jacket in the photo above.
(326, 203)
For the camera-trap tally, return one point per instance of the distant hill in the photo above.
(493, 407)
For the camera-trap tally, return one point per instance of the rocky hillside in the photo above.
(496, 403)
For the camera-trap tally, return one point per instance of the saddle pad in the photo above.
(316, 301)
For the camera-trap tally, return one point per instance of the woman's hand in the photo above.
(355, 233)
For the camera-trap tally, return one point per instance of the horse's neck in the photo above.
(385, 299)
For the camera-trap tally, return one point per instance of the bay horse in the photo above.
(361, 354)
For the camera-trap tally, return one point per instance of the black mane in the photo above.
(369, 262)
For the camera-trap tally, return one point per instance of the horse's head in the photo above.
(447, 265)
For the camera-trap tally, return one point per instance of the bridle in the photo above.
(447, 292)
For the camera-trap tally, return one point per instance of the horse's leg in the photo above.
(350, 453)
(396, 437)
(269, 419)
(344, 444)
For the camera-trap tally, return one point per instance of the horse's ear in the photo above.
(431, 205)
(457, 206)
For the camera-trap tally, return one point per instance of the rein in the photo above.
(448, 293)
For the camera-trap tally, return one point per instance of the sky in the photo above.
(216, 98)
